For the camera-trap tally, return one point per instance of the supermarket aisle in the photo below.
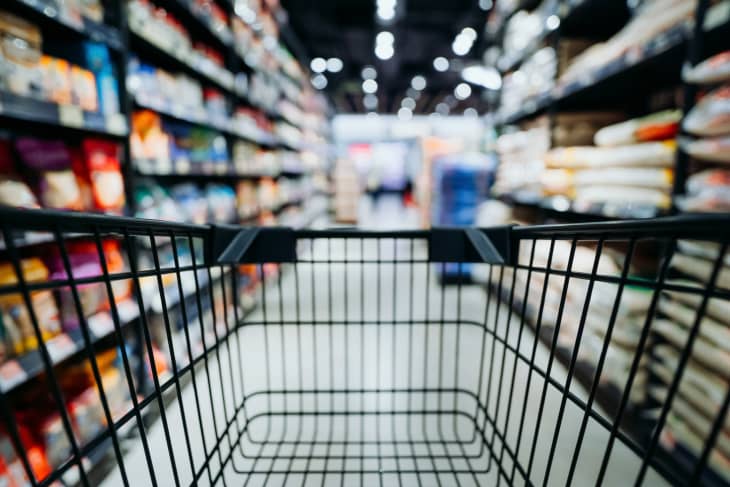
(406, 349)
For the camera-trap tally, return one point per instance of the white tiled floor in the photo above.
(375, 358)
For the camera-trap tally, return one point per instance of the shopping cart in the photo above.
(350, 365)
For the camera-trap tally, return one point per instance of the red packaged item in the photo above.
(107, 184)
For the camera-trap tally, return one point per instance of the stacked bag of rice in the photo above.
(630, 316)
(631, 164)
(706, 378)
(708, 123)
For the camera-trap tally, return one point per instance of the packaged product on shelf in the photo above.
(149, 144)
(92, 9)
(597, 194)
(101, 159)
(659, 126)
(12, 472)
(716, 69)
(84, 262)
(51, 159)
(154, 202)
(98, 60)
(83, 85)
(649, 154)
(191, 201)
(714, 149)
(247, 199)
(57, 85)
(711, 115)
(707, 191)
(643, 177)
(221, 203)
(20, 54)
(579, 128)
(13, 190)
(16, 320)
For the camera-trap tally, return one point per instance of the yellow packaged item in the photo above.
(16, 313)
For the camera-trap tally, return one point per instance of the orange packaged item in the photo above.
(56, 74)
(16, 316)
(107, 182)
(657, 131)
(83, 89)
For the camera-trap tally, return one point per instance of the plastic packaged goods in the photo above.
(56, 74)
(221, 203)
(13, 190)
(652, 19)
(20, 53)
(714, 149)
(715, 69)
(707, 191)
(601, 194)
(101, 159)
(641, 177)
(711, 115)
(17, 326)
(655, 127)
(649, 154)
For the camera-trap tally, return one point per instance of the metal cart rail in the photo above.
(357, 367)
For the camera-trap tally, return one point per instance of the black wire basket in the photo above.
(267, 356)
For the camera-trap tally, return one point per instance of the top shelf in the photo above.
(46, 13)
(654, 65)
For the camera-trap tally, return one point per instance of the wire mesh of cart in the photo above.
(567, 354)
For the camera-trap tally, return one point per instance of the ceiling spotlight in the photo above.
(418, 82)
(486, 76)
(552, 22)
(386, 13)
(486, 4)
(442, 108)
(385, 37)
(461, 45)
(462, 91)
(405, 114)
(318, 65)
(408, 103)
(369, 72)
(319, 81)
(334, 65)
(384, 51)
(370, 102)
(471, 113)
(469, 33)
(370, 86)
(441, 64)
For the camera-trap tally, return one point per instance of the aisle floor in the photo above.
(405, 349)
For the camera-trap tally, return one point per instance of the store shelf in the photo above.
(160, 57)
(198, 22)
(20, 370)
(206, 177)
(560, 208)
(647, 68)
(177, 113)
(46, 14)
(69, 117)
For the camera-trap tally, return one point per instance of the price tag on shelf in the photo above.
(60, 347)
(101, 324)
(116, 124)
(11, 374)
(71, 116)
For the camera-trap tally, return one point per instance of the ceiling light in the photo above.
(469, 33)
(462, 91)
(386, 13)
(552, 22)
(461, 46)
(370, 102)
(441, 64)
(319, 81)
(471, 112)
(405, 114)
(369, 72)
(334, 65)
(318, 65)
(486, 76)
(418, 82)
(370, 86)
(384, 51)
(442, 108)
(385, 37)
(486, 4)
(408, 103)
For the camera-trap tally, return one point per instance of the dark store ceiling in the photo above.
(422, 31)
